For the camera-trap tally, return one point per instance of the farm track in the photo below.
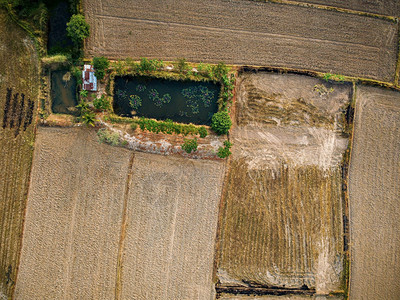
(19, 81)
(245, 32)
(374, 196)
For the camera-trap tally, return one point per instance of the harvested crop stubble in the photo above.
(171, 226)
(244, 32)
(73, 217)
(282, 223)
(374, 196)
(19, 81)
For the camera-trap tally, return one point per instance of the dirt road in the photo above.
(375, 195)
(244, 32)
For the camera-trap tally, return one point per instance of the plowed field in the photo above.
(107, 223)
(244, 32)
(282, 223)
(375, 196)
(19, 82)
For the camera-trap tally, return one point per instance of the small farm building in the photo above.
(88, 78)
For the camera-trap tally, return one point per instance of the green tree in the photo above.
(221, 122)
(100, 64)
(77, 29)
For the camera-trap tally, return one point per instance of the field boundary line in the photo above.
(397, 72)
(118, 283)
(332, 8)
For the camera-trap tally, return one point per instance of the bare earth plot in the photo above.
(73, 217)
(383, 7)
(244, 32)
(375, 196)
(171, 227)
(282, 223)
(19, 81)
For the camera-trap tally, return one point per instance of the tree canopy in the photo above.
(77, 28)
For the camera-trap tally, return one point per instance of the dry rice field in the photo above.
(375, 195)
(244, 32)
(19, 82)
(108, 223)
(282, 220)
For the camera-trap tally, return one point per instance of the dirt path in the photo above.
(374, 196)
(244, 32)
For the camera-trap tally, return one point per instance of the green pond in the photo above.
(181, 101)
(63, 92)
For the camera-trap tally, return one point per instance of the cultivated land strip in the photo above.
(19, 81)
(282, 223)
(245, 32)
(170, 234)
(73, 217)
(374, 196)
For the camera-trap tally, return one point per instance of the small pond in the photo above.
(63, 92)
(181, 101)
(58, 41)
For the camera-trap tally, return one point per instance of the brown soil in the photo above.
(104, 222)
(19, 82)
(170, 233)
(374, 196)
(73, 217)
(282, 224)
(383, 7)
(244, 32)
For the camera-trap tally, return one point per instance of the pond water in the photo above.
(63, 92)
(58, 41)
(180, 101)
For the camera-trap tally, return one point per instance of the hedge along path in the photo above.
(245, 32)
(282, 221)
(19, 83)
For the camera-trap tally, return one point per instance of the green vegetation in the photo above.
(335, 77)
(101, 103)
(77, 29)
(189, 145)
(86, 116)
(109, 137)
(58, 58)
(221, 122)
(225, 151)
(100, 64)
(181, 65)
(168, 127)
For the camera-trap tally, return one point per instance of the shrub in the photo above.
(219, 71)
(108, 137)
(224, 151)
(181, 65)
(101, 103)
(88, 118)
(203, 132)
(77, 29)
(100, 64)
(189, 145)
(83, 94)
(221, 122)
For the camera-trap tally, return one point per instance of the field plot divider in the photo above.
(118, 283)
(332, 8)
(397, 71)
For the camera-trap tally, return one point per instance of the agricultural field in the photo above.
(73, 217)
(172, 214)
(244, 32)
(282, 222)
(19, 84)
(108, 223)
(374, 199)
